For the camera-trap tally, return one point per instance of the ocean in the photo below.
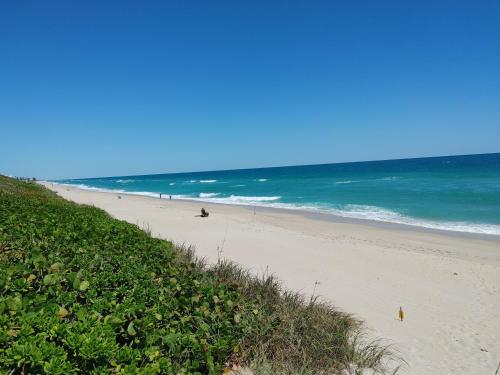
(457, 193)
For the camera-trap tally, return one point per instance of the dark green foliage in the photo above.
(82, 292)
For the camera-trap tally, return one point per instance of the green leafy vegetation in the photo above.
(81, 292)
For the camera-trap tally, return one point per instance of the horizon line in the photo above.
(274, 167)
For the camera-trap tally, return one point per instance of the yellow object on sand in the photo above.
(401, 314)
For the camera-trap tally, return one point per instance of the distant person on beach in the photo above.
(204, 213)
(160, 195)
(170, 197)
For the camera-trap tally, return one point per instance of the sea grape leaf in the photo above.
(56, 267)
(131, 330)
(62, 313)
(84, 285)
(50, 279)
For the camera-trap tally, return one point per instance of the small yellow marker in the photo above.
(401, 313)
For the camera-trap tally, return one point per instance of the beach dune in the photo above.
(448, 285)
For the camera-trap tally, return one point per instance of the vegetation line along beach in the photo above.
(82, 292)
(446, 285)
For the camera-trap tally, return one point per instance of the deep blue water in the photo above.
(459, 193)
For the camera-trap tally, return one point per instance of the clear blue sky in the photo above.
(100, 88)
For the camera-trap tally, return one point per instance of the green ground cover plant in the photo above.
(81, 292)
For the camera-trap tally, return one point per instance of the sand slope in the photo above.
(448, 286)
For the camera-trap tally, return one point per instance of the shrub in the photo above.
(81, 292)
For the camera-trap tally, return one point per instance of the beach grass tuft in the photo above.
(81, 292)
(307, 336)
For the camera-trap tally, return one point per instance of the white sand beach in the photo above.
(448, 285)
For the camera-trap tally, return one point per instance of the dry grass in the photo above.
(298, 335)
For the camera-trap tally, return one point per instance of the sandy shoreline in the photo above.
(448, 285)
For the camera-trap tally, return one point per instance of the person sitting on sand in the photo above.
(204, 213)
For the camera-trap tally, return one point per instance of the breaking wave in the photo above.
(238, 199)
(384, 215)
(363, 212)
(346, 182)
(208, 195)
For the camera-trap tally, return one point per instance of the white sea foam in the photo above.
(253, 199)
(208, 195)
(208, 181)
(384, 215)
(176, 196)
(261, 179)
(124, 181)
(353, 211)
(361, 212)
(91, 188)
(104, 190)
(346, 182)
(172, 183)
(237, 199)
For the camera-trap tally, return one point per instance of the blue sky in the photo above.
(100, 88)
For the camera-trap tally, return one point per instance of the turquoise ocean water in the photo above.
(459, 193)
